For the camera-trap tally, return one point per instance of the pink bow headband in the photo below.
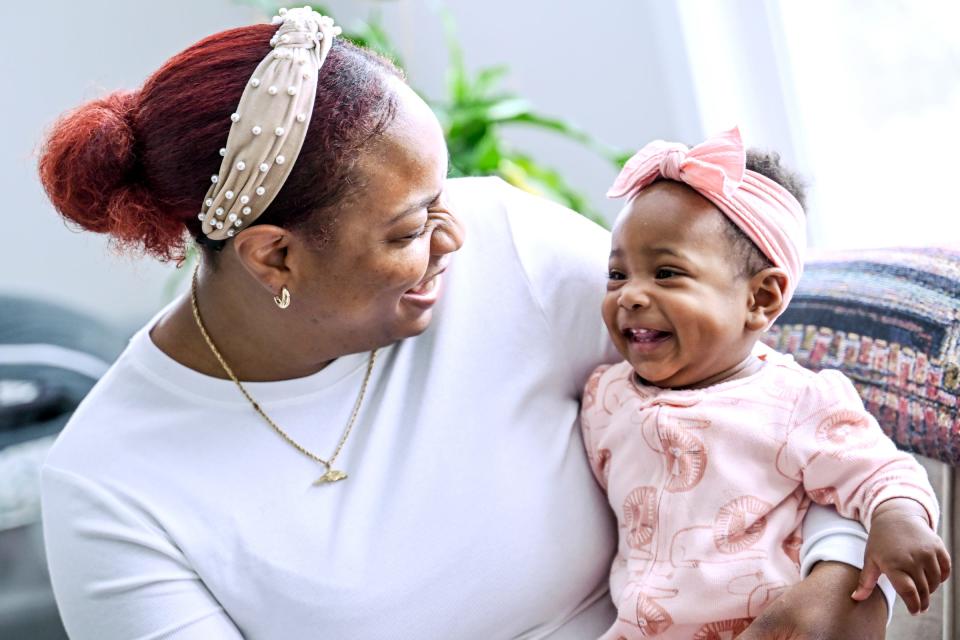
(765, 211)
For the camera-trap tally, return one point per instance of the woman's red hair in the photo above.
(136, 164)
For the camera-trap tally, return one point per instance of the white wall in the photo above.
(617, 69)
(55, 58)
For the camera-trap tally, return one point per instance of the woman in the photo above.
(401, 458)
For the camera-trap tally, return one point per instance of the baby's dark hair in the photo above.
(766, 163)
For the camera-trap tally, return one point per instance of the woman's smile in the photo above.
(426, 293)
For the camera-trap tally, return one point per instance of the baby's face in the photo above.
(676, 305)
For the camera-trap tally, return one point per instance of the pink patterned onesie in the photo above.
(710, 487)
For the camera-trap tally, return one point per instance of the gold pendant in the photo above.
(332, 475)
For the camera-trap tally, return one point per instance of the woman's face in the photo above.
(379, 277)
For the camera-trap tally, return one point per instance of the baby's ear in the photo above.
(765, 301)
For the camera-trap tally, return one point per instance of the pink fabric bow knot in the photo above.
(717, 165)
(765, 211)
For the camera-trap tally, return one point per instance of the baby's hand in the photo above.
(903, 547)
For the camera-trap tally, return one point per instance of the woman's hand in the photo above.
(821, 608)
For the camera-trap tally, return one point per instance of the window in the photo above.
(877, 93)
(862, 97)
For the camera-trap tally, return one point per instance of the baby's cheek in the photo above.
(608, 310)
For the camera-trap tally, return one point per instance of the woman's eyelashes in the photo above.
(419, 233)
(431, 222)
(414, 234)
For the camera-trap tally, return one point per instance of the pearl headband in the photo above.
(269, 125)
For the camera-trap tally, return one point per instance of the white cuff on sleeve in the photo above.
(829, 537)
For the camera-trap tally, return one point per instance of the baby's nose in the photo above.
(633, 298)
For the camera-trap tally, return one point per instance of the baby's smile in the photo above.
(644, 340)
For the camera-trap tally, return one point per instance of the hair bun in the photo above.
(91, 173)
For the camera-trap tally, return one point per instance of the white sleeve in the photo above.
(827, 536)
(564, 256)
(115, 574)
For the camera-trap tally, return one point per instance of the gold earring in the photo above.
(283, 300)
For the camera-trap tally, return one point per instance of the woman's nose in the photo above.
(448, 232)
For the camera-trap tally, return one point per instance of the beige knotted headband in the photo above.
(270, 123)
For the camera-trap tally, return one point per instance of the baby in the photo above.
(710, 447)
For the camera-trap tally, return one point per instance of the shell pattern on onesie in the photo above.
(710, 487)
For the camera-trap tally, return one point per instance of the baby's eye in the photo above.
(613, 274)
(664, 273)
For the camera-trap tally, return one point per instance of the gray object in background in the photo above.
(50, 358)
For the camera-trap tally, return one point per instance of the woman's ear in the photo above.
(262, 250)
(765, 301)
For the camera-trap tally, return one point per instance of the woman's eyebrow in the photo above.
(415, 207)
(425, 202)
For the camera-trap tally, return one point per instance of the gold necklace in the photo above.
(331, 474)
